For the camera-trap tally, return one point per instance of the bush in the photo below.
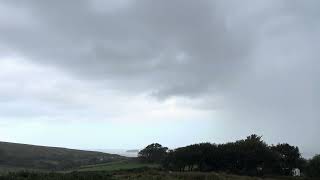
(313, 168)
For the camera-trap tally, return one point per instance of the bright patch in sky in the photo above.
(45, 106)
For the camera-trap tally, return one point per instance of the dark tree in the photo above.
(313, 167)
(289, 157)
(153, 153)
(254, 153)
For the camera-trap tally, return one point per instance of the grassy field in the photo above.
(114, 166)
(133, 170)
(135, 174)
(129, 170)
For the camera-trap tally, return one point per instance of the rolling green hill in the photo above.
(13, 155)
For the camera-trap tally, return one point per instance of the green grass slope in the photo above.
(13, 155)
(118, 165)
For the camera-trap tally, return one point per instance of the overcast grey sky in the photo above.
(125, 73)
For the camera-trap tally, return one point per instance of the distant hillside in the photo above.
(13, 155)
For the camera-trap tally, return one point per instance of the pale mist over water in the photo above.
(122, 152)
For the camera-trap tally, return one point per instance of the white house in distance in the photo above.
(296, 172)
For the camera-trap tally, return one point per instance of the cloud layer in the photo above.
(254, 63)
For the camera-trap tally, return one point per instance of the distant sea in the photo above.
(122, 152)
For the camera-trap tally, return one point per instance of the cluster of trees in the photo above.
(249, 156)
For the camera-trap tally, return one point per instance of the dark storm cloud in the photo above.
(261, 57)
(175, 48)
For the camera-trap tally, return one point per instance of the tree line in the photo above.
(250, 156)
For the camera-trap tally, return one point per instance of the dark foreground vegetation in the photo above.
(251, 156)
(137, 174)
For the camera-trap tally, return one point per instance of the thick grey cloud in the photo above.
(177, 47)
(256, 61)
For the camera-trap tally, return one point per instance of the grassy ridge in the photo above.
(13, 155)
